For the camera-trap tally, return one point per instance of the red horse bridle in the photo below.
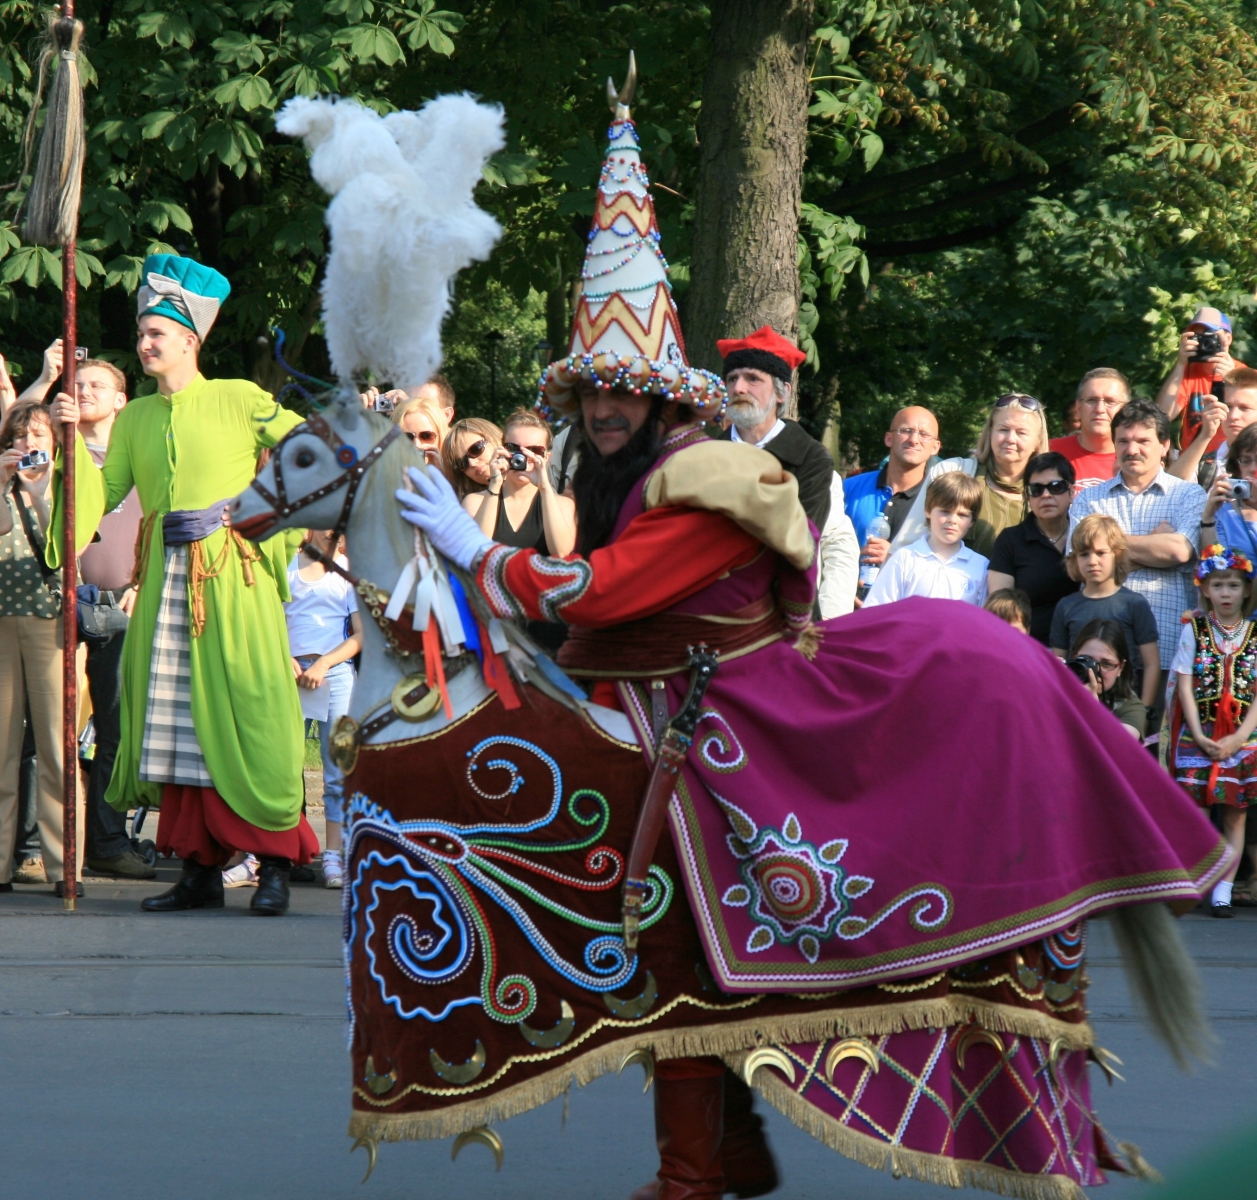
(349, 478)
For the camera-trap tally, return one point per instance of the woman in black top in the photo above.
(1031, 555)
(521, 508)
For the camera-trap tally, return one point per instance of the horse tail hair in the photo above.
(1164, 980)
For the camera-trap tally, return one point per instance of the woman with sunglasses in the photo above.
(468, 457)
(521, 508)
(1031, 555)
(1015, 431)
(1111, 681)
(425, 425)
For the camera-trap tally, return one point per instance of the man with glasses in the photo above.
(1101, 394)
(107, 565)
(1159, 514)
(893, 488)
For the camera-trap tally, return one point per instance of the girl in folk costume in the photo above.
(1215, 742)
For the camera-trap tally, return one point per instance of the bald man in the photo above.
(913, 441)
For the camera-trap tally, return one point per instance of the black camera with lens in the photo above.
(1208, 343)
(1084, 666)
(518, 462)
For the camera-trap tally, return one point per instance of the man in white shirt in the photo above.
(939, 565)
(757, 373)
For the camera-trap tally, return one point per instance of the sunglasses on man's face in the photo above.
(425, 437)
(515, 448)
(1054, 487)
(1029, 403)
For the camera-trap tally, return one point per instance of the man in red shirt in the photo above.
(1101, 393)
(1188, 378)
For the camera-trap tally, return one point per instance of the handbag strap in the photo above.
(35, 542)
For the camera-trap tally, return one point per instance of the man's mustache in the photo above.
(608, 424)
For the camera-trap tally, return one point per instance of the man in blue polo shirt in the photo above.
(913, 441)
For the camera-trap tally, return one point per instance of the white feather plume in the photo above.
(402, 223)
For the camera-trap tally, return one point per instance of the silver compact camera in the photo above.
(36, 458)
(1241, 489)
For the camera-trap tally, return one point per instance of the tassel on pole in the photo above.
(52, 204)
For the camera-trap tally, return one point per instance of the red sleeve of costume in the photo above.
(662, 557)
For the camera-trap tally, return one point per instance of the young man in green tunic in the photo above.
(211, 721)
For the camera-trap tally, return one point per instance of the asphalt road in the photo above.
(201, 1056)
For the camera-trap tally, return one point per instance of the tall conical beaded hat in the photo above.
(626, 332)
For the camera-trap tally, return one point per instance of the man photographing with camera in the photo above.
(1204, 357)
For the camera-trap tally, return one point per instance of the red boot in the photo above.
(748, 1163)
(688, 1127)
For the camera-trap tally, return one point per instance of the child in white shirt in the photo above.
(939, 565)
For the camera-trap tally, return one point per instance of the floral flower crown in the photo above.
(1220, 558)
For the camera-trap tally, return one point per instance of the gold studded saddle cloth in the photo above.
(487, 969)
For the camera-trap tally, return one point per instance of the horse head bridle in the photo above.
(354, 469)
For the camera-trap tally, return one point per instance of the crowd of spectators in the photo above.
(1086, 543)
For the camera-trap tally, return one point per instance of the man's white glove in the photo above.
(435, 509)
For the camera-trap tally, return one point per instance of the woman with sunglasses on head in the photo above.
(425, 425)
(1015, 431)
(1112, 680)
(521, 508)
(468, 456)
(1031, 555)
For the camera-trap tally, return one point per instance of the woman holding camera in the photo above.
(1230, 512)
(1103, 665)
(30, 635)
(519, 506)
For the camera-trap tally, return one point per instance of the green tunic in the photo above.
(188, 451)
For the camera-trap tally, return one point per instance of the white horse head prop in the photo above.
(402, 222)
(339, 471)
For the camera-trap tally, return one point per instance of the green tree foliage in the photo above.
(999, 193)
(1057, 186)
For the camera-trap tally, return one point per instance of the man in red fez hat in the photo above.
(758, 374)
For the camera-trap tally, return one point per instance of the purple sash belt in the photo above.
(186, 525)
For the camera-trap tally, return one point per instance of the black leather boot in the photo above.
(271, 898)
(198, 887)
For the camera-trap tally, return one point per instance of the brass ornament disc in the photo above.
(342, 743)
(415, 710)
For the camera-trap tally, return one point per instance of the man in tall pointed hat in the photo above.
(211, 722)
(936, 1022)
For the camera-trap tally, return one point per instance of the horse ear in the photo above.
(346, 407)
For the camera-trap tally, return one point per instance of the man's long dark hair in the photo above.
(601, 485)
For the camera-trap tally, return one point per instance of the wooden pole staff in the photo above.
(52, 214)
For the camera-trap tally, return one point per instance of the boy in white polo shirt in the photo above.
(939, 565)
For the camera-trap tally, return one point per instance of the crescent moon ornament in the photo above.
(555, 1036)
(853, 1047)
(766, 1056)
(630, 1010)
(1055, 1049)
(459, 1072)
(624, 97)
(486, 1137)
(646, 1058)
(1105, 1059)
(379, 1084)
(372, 1147)
(975, 1033)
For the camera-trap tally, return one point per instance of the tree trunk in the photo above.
(752, 139)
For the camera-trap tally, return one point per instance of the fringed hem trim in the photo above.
(912, 1164)
(456, 1116)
